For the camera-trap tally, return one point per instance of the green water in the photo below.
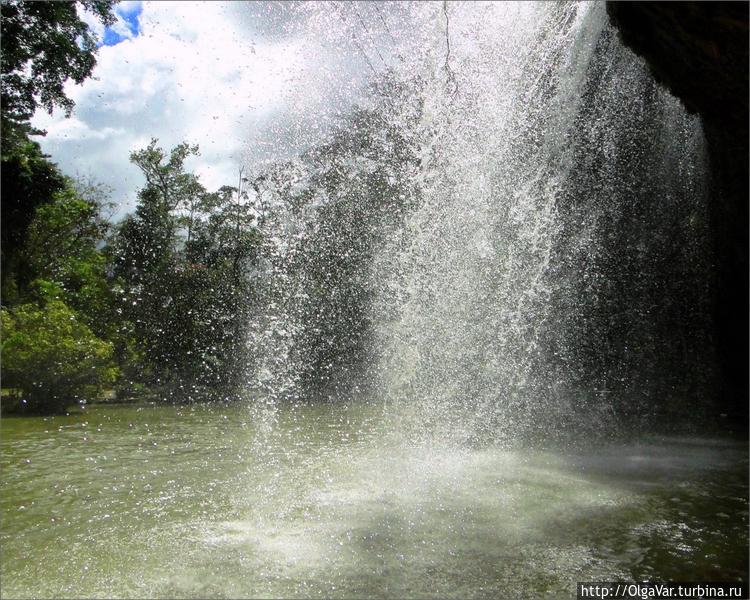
(330, 501)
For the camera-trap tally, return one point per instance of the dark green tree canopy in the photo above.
(28, 181)
(166, 175)
(43, 45)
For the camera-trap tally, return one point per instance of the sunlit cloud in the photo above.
(185, 72)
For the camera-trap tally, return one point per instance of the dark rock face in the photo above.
(699, 51)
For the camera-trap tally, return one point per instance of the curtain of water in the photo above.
(551, 263)
(556, 268)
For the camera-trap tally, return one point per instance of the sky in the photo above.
(247, 82)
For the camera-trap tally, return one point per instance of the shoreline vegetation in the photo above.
(95, 310)
(12, 401)
(173, 301)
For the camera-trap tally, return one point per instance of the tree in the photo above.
(44, 44)
(59, 330)
(62, 247)
(52, 356)
(29, 180)
(324, 217)
(166, 176)
(222, 253)
(182, 258)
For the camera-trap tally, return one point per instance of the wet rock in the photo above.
(699, 51)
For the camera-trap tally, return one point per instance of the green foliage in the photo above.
(61, 247)
(182, 259)
(225, 246)
(175, 188)
(163, 296)
(49, 353)
(44, 44)
(168, 294)
(59, 329)
(29, 180)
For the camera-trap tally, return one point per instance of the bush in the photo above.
(50, 354)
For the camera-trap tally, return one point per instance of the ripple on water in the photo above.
(314, 516)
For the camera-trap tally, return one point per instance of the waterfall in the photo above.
(542, 255)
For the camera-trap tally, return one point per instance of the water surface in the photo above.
(202, 501)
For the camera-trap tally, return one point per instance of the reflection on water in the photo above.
(200, 501)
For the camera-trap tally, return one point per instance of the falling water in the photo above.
(551, 263)
(501, 249)
(561, 188)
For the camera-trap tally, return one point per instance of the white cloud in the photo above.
(121, 28)
(91, 20)
(197, 72)
(74, 130)
(128, 6)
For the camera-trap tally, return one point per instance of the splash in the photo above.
(531, 257)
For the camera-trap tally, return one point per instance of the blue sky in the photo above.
(250, 82)
(128, 17)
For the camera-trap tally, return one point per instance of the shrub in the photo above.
(50, 354)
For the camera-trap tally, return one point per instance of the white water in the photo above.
(550, 271)
(479, 278)
(554, 189)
